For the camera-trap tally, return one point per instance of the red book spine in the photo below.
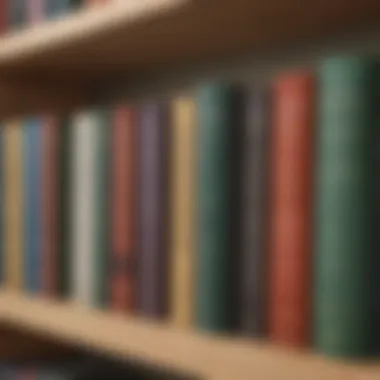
(50, 137)
(291, 210)
(122, 214)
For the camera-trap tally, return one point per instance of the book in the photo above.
(32, 215)
(64, 202)
(89, 209)
(345, 183)
(123, 201)
(152, 210)
(255, 187)
(51, 194)
(35, 11)
(17, 14)
(58, 8)
(218, 208)
(290, 228)
(182, 222)
(13, 204)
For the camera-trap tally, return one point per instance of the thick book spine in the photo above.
(50, 205)
(83, 212)
(218, 174)
(101, 121)
(291, 174)
(17, 14)
(254, 216)
(32, 205)
(64, 201)
(182, 245)
(123, 198)
(345, 179)
(35, 11)
(153, 210)
(14, 200)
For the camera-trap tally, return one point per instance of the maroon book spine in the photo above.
(50, 212)
(122, 209)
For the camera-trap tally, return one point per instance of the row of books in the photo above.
(229, 208)
(16, 14)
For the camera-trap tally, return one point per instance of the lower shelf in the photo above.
(209, 357)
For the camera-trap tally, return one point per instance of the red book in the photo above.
(291, 175)
(35, 11)
(122, 213)
(50, 212)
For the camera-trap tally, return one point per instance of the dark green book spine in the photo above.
(344, 207)
(64, 246)
(101, 204)
(216, 297)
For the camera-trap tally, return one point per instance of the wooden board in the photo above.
(137, 37)
(212, 357)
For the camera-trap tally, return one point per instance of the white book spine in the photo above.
(83, 212)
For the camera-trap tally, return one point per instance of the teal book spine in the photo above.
(32, 130)
(216, 254)
(346, 138)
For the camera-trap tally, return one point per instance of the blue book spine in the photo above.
(32, 173)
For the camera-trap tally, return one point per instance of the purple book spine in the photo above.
(153, 210)
(254, 223)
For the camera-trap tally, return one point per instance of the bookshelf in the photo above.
(57, 64)
(205, 356)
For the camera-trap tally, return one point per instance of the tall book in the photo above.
(35, 11)
(17, 14)
(255, 187)
(346, 176)
(89, 218)
(182, 223)
(51, 193)
(290, 229)
(64, 202)
(123, 199)
(218, 209)
(13, 205)
(32, 205)
(153, 213)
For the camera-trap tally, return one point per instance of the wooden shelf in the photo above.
(137, 37)
(193, 353)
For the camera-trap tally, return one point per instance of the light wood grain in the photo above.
(208, 356)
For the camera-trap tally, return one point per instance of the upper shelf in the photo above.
(209, 357)
(137, 37)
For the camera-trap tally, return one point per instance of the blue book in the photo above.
(33, 207)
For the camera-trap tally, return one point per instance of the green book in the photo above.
(64, 200)
(346, 137)
(216, 262)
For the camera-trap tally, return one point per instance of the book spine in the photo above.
(83, 211)
(35, 11)
(343, 281)
(254, 215)
(290, 227)
(14, 209)
(17, 14)
(152, 210)
(183, 161)
(101, 121)
(216, 263)
(2, 203)
(123, 242)
(32, 205)
(50, 205)
(65, 196)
